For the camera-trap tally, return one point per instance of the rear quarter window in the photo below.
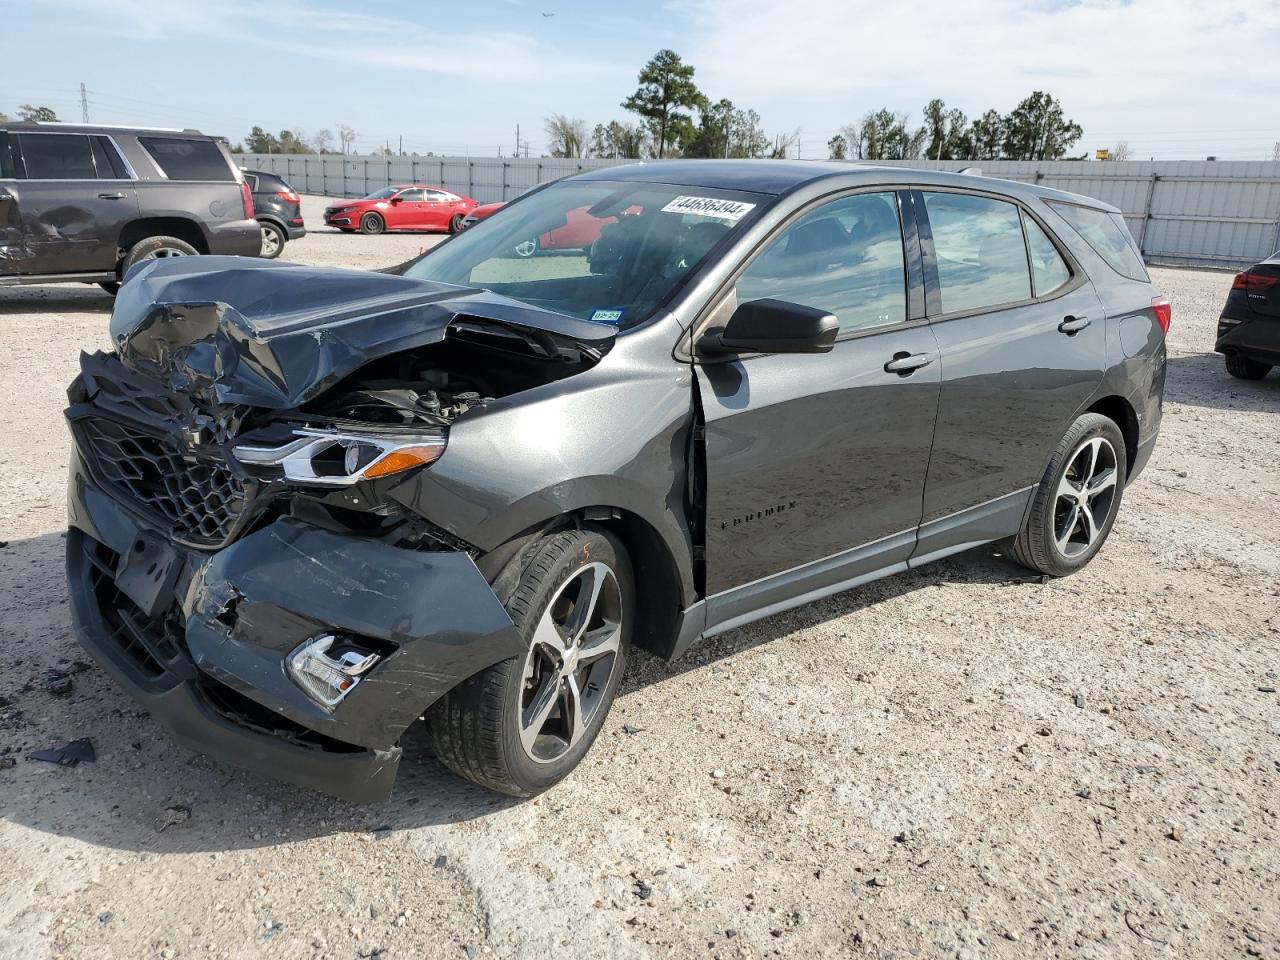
(1108, 235)
(185, 159)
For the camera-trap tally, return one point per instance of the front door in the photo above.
(818, 461)
(73, 196)
(1023, 342)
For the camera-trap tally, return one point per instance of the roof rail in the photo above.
(99, 126)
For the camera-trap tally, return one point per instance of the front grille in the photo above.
(154, 646)
(197, 498)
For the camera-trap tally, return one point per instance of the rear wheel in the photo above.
(522, 726)
(155, 248)
(455, 223)
(1242, 368)
(372, 223)
(273, 240)
(1077, 500)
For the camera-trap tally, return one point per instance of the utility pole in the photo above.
(84, 103)
(402, 144)
(517, 153)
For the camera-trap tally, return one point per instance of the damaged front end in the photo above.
(242, 558)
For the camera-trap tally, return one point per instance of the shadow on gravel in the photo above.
(144, 793)
(1201, 380)
(59, 299)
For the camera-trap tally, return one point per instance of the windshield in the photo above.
(386, 193)
(596, 250)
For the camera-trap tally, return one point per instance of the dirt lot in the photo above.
(961, 761)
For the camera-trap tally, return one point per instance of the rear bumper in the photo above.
(237, 238)
(1255, 337)
(296, 231)
(201, 643)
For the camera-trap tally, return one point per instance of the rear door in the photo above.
(815, 463)
(72, 195)
(440, 208)
(1023, 343)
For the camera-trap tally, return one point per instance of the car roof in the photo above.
(58, 126)
(779, 177)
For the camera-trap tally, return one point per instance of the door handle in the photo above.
(111, 196)
(1073, 325)
(904, 363)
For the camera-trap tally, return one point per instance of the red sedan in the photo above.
(414, 206)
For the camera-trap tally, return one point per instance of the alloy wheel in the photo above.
(162, 253)
(1085, 497)
(570, 662)
(270, 242)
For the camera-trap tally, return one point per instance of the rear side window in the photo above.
(107, 160)
(57, 156)
(844, 257)
(6, 158)
(982, 260)
(1048, 270)
(1108, 235)
(182, 159)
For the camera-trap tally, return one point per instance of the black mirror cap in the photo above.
(774, 326)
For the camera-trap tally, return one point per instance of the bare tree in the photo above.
(566, 136)
(322, 141)
(347, 135)
(1122, 151)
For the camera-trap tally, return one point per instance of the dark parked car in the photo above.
(85, 203)
(1249, 329)
(278, 209)
(309, 506)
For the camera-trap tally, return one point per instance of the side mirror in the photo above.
(397, 199)
(773, 326)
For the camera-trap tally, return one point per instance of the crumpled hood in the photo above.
(234, 330)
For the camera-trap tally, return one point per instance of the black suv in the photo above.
(278, 209)
(85, 203)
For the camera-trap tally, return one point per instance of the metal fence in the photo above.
(1191, 213)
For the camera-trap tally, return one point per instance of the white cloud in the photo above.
(1165, 69)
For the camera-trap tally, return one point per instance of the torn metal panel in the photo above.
(219, 328)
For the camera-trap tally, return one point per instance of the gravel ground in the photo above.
(960, 761)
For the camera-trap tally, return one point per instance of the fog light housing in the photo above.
(328, 667)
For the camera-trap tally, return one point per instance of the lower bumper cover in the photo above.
(1256, 338)
(222, 688)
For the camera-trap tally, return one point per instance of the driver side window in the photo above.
(411, 196)
(844, 257)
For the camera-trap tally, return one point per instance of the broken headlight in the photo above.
(329, 667)
(341, 459)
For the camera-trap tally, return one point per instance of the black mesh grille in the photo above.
(198, 499)
(154, 646)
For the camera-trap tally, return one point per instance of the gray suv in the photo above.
(310, 506)
(85, 203)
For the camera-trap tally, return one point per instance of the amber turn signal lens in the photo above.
(404, 458)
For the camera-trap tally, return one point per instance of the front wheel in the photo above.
(1076, 503)
(372, 223)
(1242, 368)
(521, 726)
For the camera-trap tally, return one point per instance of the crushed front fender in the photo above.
(256, 601)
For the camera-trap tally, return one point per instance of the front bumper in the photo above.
(338, 219)
(199, 638)
(1255, 337)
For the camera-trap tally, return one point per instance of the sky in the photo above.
(1176, 80)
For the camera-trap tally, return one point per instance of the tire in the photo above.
(155, 248)
(1242, 368)
(455, 223)
(372, 224)
(1061, 532)
(273, 240)
(481, 729)
(110, 286)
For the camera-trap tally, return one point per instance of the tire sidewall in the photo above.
(151, 244)
(592, 546)
(372, 224)
(455, 223)
(1085, 428)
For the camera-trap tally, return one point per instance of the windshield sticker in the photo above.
(607, 316)
(730, 210)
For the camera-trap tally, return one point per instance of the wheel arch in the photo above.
(181, 227)
(1120, 411)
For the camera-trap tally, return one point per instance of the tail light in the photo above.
(288, 196)
(247, 196)
(1253, 281)
(1163, 310)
